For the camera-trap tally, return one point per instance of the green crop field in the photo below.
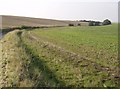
(81, 56)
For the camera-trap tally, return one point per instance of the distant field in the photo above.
(61, 56)
(17, 21)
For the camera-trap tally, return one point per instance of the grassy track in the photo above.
(64, 56)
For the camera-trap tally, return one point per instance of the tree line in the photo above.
(97, 23)
(93, 23)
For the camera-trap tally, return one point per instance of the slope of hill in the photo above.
(17, 21)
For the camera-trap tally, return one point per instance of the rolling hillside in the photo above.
(17, 21)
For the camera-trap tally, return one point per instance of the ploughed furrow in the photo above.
(11, 61)
(37, 69)
(76, 67)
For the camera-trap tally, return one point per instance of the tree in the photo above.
(71, 24)
(106, 22)
(79, 24)
(91, 23)
(97, 23)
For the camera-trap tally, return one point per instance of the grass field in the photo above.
(83, 56)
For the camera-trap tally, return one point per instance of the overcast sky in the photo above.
(62, 9)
